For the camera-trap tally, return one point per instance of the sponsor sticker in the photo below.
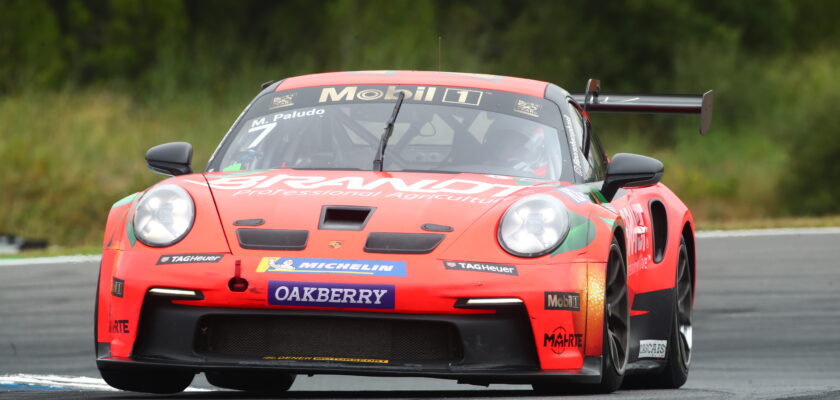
(189, 258)
(287, 185)
(652, 348)
(283, 101)
(117, 287)
(574, 195)
(569, 301)
(324, 294)
(462, 96)
(332, 266)
(527, 108)
(573, 143)
(337, 359)
(482, 267)
(559, 340)
(119, 326)
(350, 93)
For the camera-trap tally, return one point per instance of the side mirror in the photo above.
(170, 158)
(630, 170)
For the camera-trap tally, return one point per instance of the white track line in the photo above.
(769, 232)
(700, 235)
(66, 382)
(50, 260)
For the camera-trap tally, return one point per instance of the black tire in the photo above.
(678, 359)
(147, 381)
(616, 344)
(251, 381)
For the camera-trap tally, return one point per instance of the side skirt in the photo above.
(653, 325)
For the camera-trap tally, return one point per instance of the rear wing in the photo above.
(595, 101)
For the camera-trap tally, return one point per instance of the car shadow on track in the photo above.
(391, 394)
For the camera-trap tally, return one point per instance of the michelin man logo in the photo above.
(286, 265)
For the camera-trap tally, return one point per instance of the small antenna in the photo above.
(440, 44)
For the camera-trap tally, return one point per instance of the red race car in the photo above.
(402, 223)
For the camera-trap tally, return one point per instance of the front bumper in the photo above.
(505, 344)
(472, 348)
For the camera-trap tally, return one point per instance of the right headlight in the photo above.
(534, 226)
(164, 215)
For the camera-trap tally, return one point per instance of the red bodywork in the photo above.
(471, 204)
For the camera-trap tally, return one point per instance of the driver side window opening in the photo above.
(595, 168)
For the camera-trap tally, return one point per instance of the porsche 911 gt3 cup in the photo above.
(402, 223)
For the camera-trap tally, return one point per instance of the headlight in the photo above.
(164, 215)
(534, 226)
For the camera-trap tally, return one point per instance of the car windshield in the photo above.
(438, 129)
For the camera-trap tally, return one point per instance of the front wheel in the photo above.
(678, 359)
(147, 381)
(616, 332)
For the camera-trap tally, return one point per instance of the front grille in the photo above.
(402, 243)
(271, 239)
(353, 338)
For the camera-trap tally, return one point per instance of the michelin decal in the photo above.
(331, 266)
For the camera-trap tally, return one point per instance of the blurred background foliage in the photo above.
(87, 86)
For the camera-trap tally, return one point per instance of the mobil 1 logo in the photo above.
(569, 301)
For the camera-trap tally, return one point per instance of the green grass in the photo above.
(68, 155)
(771, 223)
(55, 251)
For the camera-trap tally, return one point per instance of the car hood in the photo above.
(400, 202)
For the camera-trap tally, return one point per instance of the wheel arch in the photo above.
(688, 237)
(618, 233)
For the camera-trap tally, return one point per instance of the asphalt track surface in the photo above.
(767, 326)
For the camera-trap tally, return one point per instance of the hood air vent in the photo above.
(344, 218)
(271, 239)
(402, 243)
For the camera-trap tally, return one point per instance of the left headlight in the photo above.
(534, 226)
(164, 216)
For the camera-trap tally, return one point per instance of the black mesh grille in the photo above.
(270, 336)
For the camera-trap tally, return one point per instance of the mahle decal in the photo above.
(559, 340)
(118, 326)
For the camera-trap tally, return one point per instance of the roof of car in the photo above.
(528, 87)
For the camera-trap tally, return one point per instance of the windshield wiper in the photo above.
(389, 129)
